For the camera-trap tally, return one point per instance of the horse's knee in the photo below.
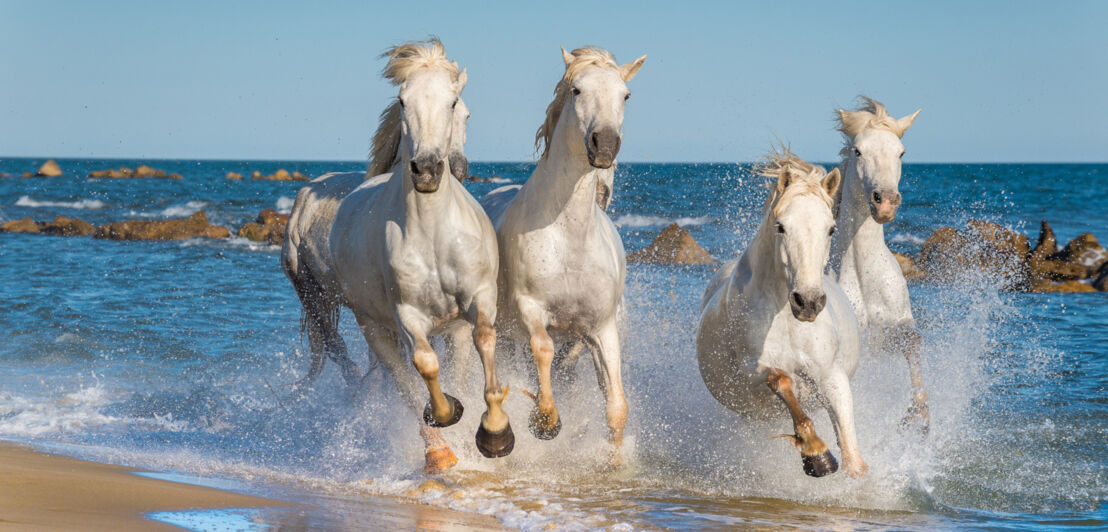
(426, 363)
(484, 337)
(542, 348)
(616, 412)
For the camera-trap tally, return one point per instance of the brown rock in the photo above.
(28, 174)
(22, 225)
(281, 175)
(194, 226)
(49, 169)
(272, 217)
(5, 174)
(297, 176)
(234, 175)
(984, 247)
(257, 175)
(1064, 286)
(269, 227)
(908, 267)
(146, 171)
(673, 246)
(1085, 252)
(175, 176)
(1101, 282)
(63, 226)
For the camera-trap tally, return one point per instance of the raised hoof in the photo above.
(495, 444)
(456, 411)
(917, 420)
(538, 424)
(820, 465)
(439, 460)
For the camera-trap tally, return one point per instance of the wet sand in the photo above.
(42, 491)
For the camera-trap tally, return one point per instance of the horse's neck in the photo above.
(856, 228)
(563, 185)
(766, 272)
(419, 211)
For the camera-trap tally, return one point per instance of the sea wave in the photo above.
(907, 238)
(27, 201)
(174, 211)
(284, 204)
(641, 220)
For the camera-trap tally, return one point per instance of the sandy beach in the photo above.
(43, 491)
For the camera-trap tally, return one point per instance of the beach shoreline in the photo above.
(42, 490)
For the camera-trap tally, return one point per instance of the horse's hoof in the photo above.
(918, 420)
(455, 413)
(439, 460)
(495, 444)
(820, 465)
(540, 425)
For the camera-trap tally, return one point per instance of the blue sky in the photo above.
(997, 81)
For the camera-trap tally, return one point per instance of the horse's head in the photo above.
(459, 164)
(874, 150)
(799, 209)
(591, 96)
(429, 98)
(430, 89)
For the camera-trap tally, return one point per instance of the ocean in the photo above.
(179, 357)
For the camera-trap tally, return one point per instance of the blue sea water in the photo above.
(179, 356)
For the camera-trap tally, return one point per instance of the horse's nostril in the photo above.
(414, 167)
(595, 139)
(438, 168)
(876, 197)
(798, 299)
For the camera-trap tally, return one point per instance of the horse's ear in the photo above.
(906, 122)
(783, 179)
(566, 56)
(628, 70)
(831, 182)
(463, 78)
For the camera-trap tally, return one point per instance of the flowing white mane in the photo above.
(791, 177)
(582, 58)
(871, 114)
(403, 61)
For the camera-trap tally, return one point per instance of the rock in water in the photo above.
(194, 226)
(22, 225)
(1101, 282)
(269, 227)
(1084, 252)
(1064, 286)
(234, 175)
(49, 169)
(908, 267)
(1042, 265)
(984, 247)
(63, 226)
(673, 246)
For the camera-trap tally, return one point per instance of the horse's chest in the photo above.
(418, 279)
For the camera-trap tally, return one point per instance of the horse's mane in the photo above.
(803, 178)
(582, 58)
(871, 114)
(404, 59)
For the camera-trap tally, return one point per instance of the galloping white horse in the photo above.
(773, 317)
(414, 253)
(562, 265)
(868, 272)
(306, 254)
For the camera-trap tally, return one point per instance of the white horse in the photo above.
(868, 272)
(562, 265)
(414, 254)
(773, 317)
(306, 254)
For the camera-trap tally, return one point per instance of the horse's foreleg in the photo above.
(606, 357)
(442, 410)
(919, 415)
(817, 459)
(494, 435)
(437, 454)
(544, 421)
(839, 402)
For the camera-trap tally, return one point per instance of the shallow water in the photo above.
(179, 356)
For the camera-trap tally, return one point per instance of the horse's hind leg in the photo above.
(494, 434)
(817, 460)
(321, 317)
(565, 362)
(437, 454)
(606, 357)
(908, 340)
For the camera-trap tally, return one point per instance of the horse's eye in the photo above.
(902, 155)
(627, 97)
(576, 91)
(780, 229)
(401, 101)
(857, 152)
(454, 105)
(832, 231)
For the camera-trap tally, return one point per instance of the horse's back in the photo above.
(309, 226)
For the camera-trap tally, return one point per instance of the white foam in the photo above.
(907, 238)
(27, 201)
(284, 204)
(640, 220)
(499, 180)
(174, 211)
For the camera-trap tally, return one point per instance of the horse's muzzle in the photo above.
(603, 147)
(426, 174)
(883, 205)
(807, 307)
